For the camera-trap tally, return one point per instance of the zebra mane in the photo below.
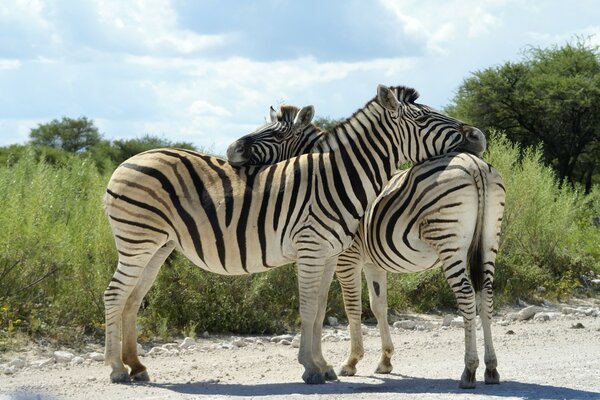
(287, 113)
(404, 94)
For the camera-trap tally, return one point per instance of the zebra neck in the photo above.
(370, 139)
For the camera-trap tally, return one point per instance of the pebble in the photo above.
(155, 350)
(44, 362)
(77, 360)
(458, 322)
(332, 321)
(17, 363)
(140, 350)
(447, 320)
(63, 356)
(296, 342)
(527, 313)
(187, 343)
(284, 342)
(96, 356)
(406, 324)
(239, 343)
(277, 339)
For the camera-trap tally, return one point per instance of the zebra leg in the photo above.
(326, 368)
(147, 277)
(309, 282)
(485, 313)
(455, 270)
(349, 276)
(377, 284)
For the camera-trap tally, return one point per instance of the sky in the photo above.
(207, 71)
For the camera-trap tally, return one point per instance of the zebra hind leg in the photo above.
(349, 275)
(377, 284)
(130, 269)
(147, 278)
(455, 272)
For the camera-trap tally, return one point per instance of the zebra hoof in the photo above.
(492, 377)
(346, 370)
(467, 380)
(384, 368)
(330, 374)
(141, 376)
(119, 377)
(313, 378)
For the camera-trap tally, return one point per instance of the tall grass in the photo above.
(57, 256)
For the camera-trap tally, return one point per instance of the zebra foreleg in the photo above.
(147, 278)
(326, 368)
(377, 284)
(349, 275)
(309, 282)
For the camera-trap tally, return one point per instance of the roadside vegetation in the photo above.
(57, 253)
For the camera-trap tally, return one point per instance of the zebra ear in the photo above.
(273, 114)
(386, 98)
(304, 117)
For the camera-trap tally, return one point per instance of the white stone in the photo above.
(330, 338)
(406, 324)
(77, 360)
(187, 343)
(63, 356)
(44, 362)
(18, 363)
(527, 313)
(447, 320)
(225, 345)
(96, 356)
(568, 310)
(8, 370)
(205, 334)
(542, 316)
(296, 342)
(171, 346)
(155, 350)
(284, 342)
(140, 350)
(239, 343)
(512, 316)
(332, 321)
(458, 322)
(277, 339)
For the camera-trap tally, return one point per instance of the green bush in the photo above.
(57, 255)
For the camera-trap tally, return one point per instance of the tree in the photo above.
(72, 135)
(551, 98)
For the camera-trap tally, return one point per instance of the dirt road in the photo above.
(537, 359)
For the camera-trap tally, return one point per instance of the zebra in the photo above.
(447, 208)
(230, 219)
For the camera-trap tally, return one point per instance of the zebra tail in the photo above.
(475, 254)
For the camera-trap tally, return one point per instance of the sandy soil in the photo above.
(536, 360)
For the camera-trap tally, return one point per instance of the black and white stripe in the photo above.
(446, 210)
(231, 220)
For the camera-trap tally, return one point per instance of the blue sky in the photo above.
(207, 71)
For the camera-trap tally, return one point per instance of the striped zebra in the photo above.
(445, 210)
(242, 220)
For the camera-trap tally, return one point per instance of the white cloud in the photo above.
(153, 25)
(439, 23)
(9, 64)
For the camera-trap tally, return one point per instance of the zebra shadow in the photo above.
(393, 384)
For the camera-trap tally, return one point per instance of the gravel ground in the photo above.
(553, 354)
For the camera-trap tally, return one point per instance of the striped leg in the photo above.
(455, 270)
(147, 277)
(326, 368)
(485, 313)
(130, 270)
(377, 284)
(309, 282)
(349, 275)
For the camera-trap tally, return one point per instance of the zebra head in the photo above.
(425, 132)
(289, 133)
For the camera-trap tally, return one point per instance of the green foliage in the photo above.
(550, 98)
(57, 251)
(72, 135)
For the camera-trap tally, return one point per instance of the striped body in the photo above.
(231, 220)
(444, 211)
